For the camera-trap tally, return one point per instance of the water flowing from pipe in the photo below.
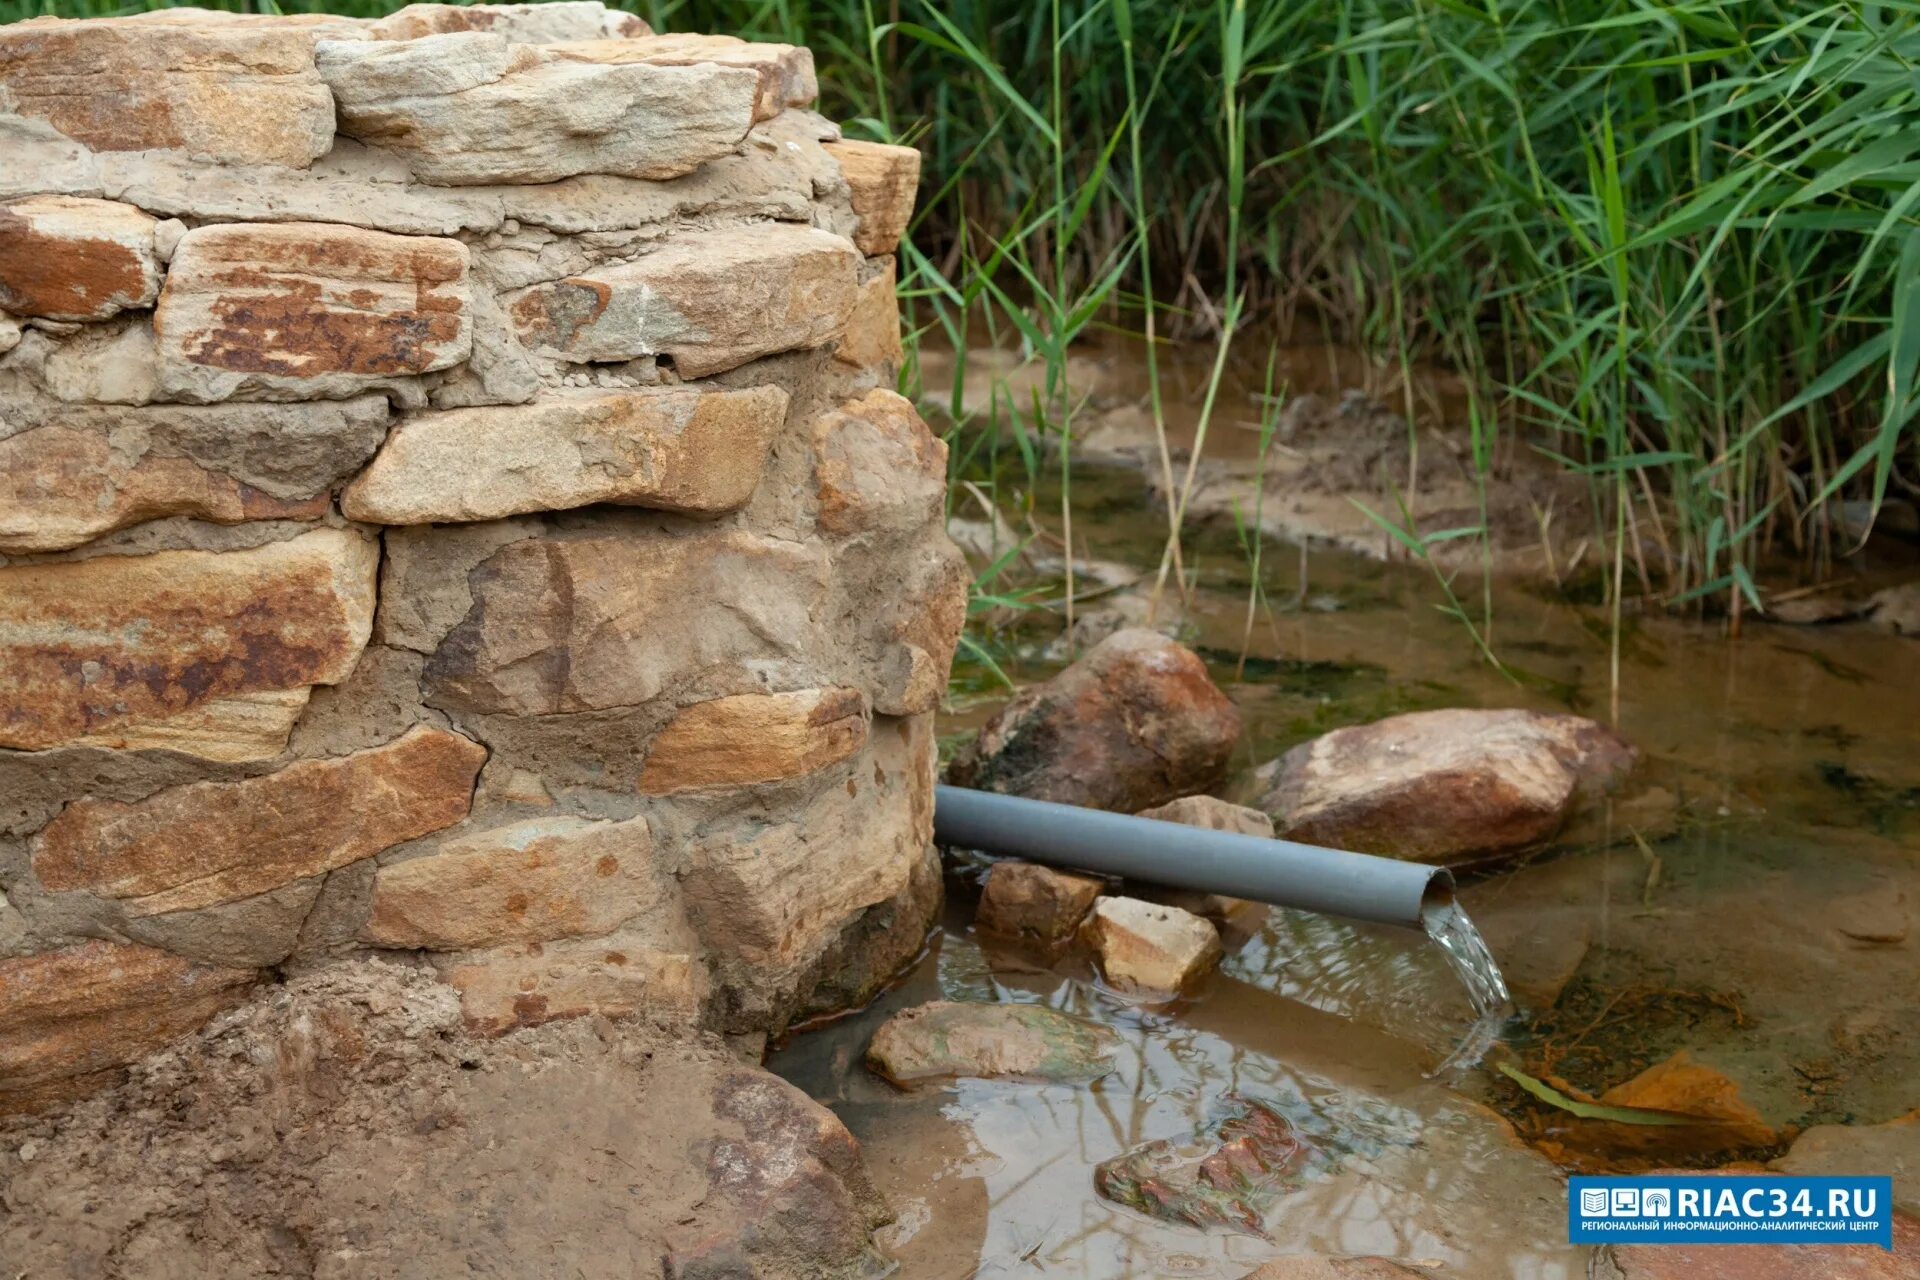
(1448, 926)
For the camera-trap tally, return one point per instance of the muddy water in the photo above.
(1763, 918)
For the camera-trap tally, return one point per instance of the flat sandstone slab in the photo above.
(471, 108)
(533, 881)
(1151, 950)
(75, 472)
(73, 258)
(615, 977)
(676, 449)
(883, 179)
(68, 1015)
(217, 87)
(947, 1039)
(710, 300)
(755, 737)
(213, 842)
(92, 646)
(543, 23)
(308, 310)
(786, 72)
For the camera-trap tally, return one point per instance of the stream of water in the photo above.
(1450, 929)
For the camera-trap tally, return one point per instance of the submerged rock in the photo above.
(1149, 949)
(1897, 609)
(1026, 900)
(946, 1039)
(1135, 723)
(1450, 787)
(1227, 1178)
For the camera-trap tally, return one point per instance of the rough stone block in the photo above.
(884, 180)
(612, 620)
(872, 340)
(1451, 786)
(522, 23)
(755, 737)
(614, 977)
(75, 472)
(304, 310)
(470, 108)
(1026, 900)
(67, 1016)
(677, 449)
(72, 258)
(878, 466)
(95, 646)
(786, 71)
(709, 300)
(234, 91)
(213, 842)
(1148, 949)
(947, 1039)
(769, 897)
(534, 881)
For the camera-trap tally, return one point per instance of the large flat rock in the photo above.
(300, 310)
(752, 738)
(75, 472)
(215, 842)
(106, 645)
(213, 86)
(709, 300)
(786, 71)
(675, 449)
(470, 108)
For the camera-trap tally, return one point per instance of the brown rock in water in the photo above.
(884, 180)
(709, 300)
(75, 472)
(554, 877)
(69, 1017)
(1767, 1261)
(70, 258)
(676, 449)
(1134, 723)
(213, 842)
(1148, 949)
(1026, 900)
(216, 87)
(1253, 1155)
(544, 23)
(472, 108)
(786, 71)
(753, 738)
(615, 976)
(119, 643)
(1685, 1087)
(1896, 609)
(1451, 787)
(306, 310)
(947, 1039)
(878, 466)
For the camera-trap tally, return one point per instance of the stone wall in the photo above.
(455, 508)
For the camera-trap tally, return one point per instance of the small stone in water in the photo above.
(1252, 1153)
(1024, 900)
(1148, 949)
(946, 1039)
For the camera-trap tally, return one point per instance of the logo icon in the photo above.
(1626, 1202)
(1593, 1202)
(1656, 1202)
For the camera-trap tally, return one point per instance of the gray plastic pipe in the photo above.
(1279, 872)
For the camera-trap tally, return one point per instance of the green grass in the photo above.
(1675, 245)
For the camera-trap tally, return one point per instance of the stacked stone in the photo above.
(454, 507)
